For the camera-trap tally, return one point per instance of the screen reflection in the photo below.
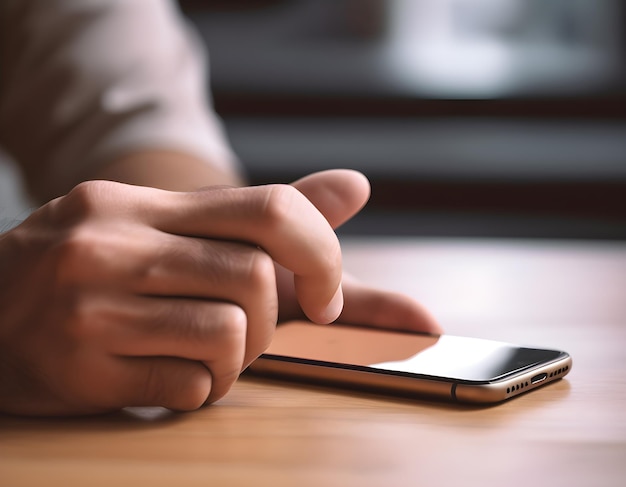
(468, 359)
(451, 357)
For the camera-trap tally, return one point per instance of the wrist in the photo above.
(167, 170)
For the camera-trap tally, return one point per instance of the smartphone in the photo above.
(460, 369)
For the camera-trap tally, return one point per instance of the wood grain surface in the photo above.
(569, 295)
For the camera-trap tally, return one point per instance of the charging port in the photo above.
(539, 378)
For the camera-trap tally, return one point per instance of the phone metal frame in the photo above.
(404, 383)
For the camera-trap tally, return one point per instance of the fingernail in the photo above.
(335, 307)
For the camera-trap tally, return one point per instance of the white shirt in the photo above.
(83, 81)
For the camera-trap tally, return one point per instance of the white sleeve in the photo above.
(83, 81)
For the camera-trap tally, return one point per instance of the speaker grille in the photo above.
(523, 385)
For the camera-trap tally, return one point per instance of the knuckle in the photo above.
(83, 200)
(280, 200)
(195, 393)
(233, 330)
(260, 270)
(285, 206)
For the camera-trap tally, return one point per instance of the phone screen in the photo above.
(450, 357)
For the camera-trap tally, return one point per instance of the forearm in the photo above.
(175, 171)
(106, 104)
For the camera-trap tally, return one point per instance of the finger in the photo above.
(169, 382)
(210, 332)
(338, 194)
(152, 263)
(220, 271)
(372, 307)
(277, 218)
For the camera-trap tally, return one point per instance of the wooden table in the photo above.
(569, 295)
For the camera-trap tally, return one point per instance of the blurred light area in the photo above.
(429, 48)
(494, 283)
(493, 48)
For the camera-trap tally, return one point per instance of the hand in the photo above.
(339, 195)
(116, 295)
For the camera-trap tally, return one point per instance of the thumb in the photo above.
(338, 194)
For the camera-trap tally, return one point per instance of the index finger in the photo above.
(277, 218)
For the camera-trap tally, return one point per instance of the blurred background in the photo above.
(503, 118)
(470, 117)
